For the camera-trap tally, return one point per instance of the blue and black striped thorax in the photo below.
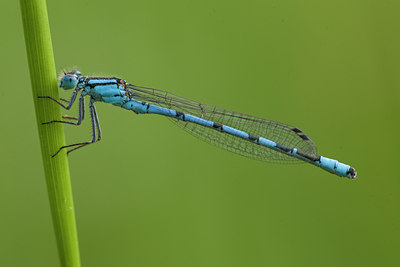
(111, 90)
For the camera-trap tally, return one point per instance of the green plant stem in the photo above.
(44, 83)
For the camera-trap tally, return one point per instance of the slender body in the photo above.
(244, 134)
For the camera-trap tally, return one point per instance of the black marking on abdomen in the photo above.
(254, 138)
(218, 126)
(309, 156)
(284, 148)
(178, 114)
(351, 171)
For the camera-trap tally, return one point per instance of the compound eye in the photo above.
(69, 81)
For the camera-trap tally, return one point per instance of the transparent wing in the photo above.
(272, 130)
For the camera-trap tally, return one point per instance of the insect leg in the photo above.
(95, 122)
(71, 101)
(80, 116)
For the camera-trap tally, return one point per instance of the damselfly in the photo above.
(246, 135)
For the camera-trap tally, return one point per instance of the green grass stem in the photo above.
(44, 83)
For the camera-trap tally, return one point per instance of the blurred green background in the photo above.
(150, 194)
